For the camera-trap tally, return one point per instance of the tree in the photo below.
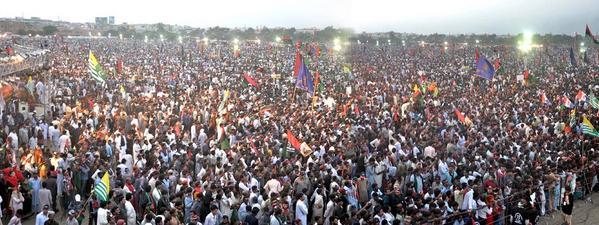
(49, 30)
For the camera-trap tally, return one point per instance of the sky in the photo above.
(412, 16)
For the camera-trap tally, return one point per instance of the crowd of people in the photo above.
(392, 135)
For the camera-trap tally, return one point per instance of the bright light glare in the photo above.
(445, 43)
(278, 39)
(121, 36)
(581, 43)
(477, 41)
(99, 34)
(525, 45)
(180, 39)
(235, 40)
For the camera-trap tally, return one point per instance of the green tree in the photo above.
(49, 30)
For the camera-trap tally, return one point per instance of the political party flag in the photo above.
(587, 127)
(346, 69)
(594, 101)
(572, 117)
(484, 69)
(297, 64)
(581, 96)
(459, 115)
(103, 188)
(566, 102)
(497, 65)
(304, 80)
(589, 34)
(119, 66)
(476, 56)
(416, 90)
(95, 69)
(247, 80)
(293, 140)
(572, 57)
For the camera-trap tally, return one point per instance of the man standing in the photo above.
(103, 214)
(34, 185)
(71, 220)
(42, 217)
(51, 220)
(301, 210)
(213, 218)
(131, 215)
(45, 195)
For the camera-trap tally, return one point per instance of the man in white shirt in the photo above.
(64, 142)
(103, 214)
(42, 217)
(131, 215)
(301, 210)
(214, 217)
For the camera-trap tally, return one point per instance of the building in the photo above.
(101, 20)
(111, 20)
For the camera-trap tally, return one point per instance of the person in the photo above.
(45, 196)
(567, 206)
(71, 218)
(301, 210)
(16, 218)
(130, 210)
(42, 217)
(35, 185)
(51, 220)
(103, 214)
(251, 219)
(214, 217)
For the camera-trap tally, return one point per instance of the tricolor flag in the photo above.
(293, 140)
(249, 81)
(587, 127)
(566, 102)
(581, 96)
(103, 188)
(95, 69)
(589, 34)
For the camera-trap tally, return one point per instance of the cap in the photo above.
(46, 207)
(71, 212)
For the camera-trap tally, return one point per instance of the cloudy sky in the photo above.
(414, 16)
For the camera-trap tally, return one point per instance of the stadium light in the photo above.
(278, 39)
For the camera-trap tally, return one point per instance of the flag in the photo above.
(416, 90)
(459, 115)
(572, 57)
(123, 92)
(103, 188)
(476, 56)
(589, 34)
(297, 64)
(304, 79)
(433, 89)
(572, 117)
(587, 127)
(581, 96)
(594, 101)
(497, 65)
(248, 80)
(95, 69)
(484, 69)
(293, 140)
(119, 66)
(346, 69)
(566, 102)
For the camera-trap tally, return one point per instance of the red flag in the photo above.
(298, 63)
(293, 140)
(249, 80)
(497, 64)
(9, 51)
(459, 115)
(476, 55)
(119, 66)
